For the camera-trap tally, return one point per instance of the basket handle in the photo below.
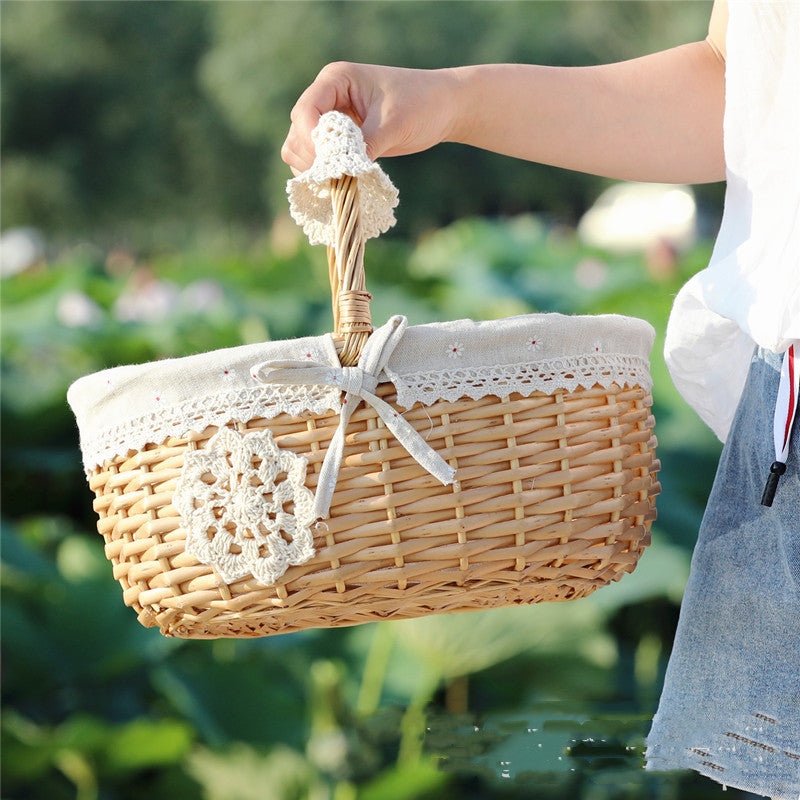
(352, 322)
(342, 200)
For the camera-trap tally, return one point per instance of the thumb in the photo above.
(376, 137)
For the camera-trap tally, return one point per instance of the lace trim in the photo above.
(198, 414)
(525, 378)
(568, 373)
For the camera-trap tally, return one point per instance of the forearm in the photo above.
(656, 118)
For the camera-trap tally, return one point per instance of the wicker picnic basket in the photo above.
(368, 475)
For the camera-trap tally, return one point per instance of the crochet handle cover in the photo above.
(341, 201)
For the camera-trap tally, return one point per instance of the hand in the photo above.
(400, 111)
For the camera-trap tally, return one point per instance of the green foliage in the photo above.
(105, 126)
(156, 122)
(264, 54)
(415, 782)
(88, 750)
(241, 772)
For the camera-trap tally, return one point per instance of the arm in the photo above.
(656, 118)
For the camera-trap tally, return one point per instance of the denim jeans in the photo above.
(730, 708)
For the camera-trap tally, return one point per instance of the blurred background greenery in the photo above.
(144, 216)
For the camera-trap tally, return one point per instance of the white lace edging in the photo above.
(104, 444)
(568, 373)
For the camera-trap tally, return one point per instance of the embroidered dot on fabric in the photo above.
(455, 350)
(533, 344)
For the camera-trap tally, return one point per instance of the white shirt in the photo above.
(750, 292)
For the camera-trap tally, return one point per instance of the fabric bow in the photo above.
(357, 382)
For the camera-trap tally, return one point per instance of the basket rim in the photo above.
(635, 333)
(118, 408)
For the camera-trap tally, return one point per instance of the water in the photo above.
(557, 752)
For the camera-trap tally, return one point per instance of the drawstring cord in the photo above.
(785, 412)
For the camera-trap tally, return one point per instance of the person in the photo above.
(726, 107)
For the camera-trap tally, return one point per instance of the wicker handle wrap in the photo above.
(352, 322)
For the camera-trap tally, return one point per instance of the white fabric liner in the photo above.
(125, 408)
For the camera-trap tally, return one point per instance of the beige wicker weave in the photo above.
(396, 544)
(553, 497)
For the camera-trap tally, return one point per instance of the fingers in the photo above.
(296, 151)
(375, 135)
(330, 91)
(399, 111)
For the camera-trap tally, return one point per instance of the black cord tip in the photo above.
(775, 471)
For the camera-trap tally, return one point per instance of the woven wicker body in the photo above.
(554, 498)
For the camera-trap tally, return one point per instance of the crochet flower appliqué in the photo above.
(233, 497)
